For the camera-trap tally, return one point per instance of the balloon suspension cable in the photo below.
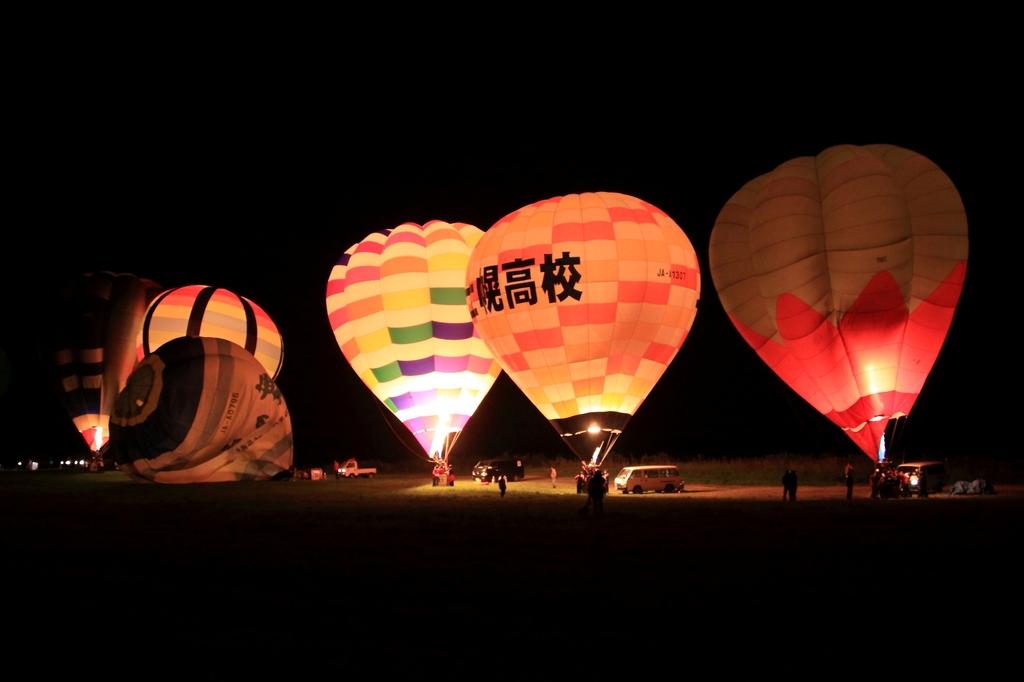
(444, 453)
(607, 447)
(397, 435)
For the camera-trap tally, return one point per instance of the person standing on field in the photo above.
(596, 490)
(553, 475)
(502, 485)
(849, 481)
(789, 485)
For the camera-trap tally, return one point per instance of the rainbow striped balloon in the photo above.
(397, 304)
(199, 310)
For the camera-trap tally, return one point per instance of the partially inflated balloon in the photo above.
(584, 300)
(842, 271)
(397, 304)
(201, 410)
(218, 313)
(90, 345)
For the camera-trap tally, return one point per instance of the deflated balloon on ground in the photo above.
(201, 410)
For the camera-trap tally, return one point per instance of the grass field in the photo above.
(401, 572)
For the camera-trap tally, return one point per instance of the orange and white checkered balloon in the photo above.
(584, 300)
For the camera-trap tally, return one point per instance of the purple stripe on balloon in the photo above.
(425, 440)
(451, 365)
(403, 402)
(479, 365)
(415, 424)
(459, 421)
(453, 331)
(412, 368)
(424, 397)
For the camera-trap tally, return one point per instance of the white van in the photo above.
(660, 478)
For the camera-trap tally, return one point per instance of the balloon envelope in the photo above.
(217, 313)
(397, 304)
(90, 345)
(201, 410)
(843, 271)
(584, 300)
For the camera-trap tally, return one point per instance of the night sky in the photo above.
(261, 195)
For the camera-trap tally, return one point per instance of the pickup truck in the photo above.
(350, 469)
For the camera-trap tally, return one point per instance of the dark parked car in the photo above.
(492, 469)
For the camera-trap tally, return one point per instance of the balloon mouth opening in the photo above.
(592, 430)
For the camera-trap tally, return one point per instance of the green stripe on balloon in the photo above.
(448, 295)
(414, 334)
(388, 372)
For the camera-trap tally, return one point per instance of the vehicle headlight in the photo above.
(913, 480)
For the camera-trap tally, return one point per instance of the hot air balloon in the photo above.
(207, 311)
(842, 271)
(397, 304)
(585, 300)
(89, 344)
(200, 410)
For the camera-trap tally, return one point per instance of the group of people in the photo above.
(595, 482)
(887, 483)
(443, 475)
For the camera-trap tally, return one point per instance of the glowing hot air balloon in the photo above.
(90, 345)
(217, 313)
(842, 271)
(585, 300)
(397, 304)
(200, 410)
